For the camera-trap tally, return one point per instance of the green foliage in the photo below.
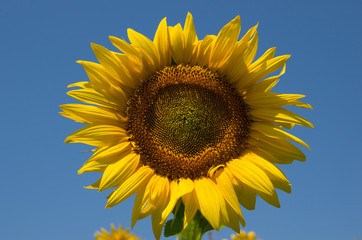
(195, 229)
(175, 226)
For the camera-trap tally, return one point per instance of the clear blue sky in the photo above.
(42, 196)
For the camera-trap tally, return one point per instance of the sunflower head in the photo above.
(183, 134)
(182, 120)
(115, 234)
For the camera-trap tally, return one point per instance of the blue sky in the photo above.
(42, 195)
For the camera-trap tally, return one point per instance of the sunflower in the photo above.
(181, 120)
(115, 234)
(243, 236)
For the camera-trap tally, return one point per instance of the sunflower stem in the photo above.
(196, 228)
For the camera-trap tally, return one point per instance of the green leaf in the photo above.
(175, 226)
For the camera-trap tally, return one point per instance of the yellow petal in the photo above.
(92, 114)
(178, 188)
(140, 203)
(246, 195)
(279, 115)
(273, 131)
(277, 147)
(273, 172)
(236, 66)
(260, 71)
(232, 215)
(191, 206)
(267, 84)
(106, 155)
(98, 135)
(91, 96)
(190, 38)
(247, 37)
(202, 54)
(210, 201)
(251, 49)
(224, 43)
(173, 199)
(96, 73)
(117, 172)
(110, 62)
(159, 190)
(103, 81)
(162, 43)
(80, 84)
(230, 218)
(94, 185)
(157, 225)
(240, 68)
(146, 46)
(271, 100)
(226, 188)
(269, 54)
(271, 199)
(129, 187)
(251, 175)
(93, 166)
(177, 39)
(137, 62)
(106, 58)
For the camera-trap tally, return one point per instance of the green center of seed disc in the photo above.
(187, 119)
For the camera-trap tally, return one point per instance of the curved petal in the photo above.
(278, 147)
(191, 206)
(140, 203)
(98, 135)
(210, 200)
(273, 131)
(129, 187)
(110, 62)
(224, 44)
(103, 81)
(117, 172)
(190, 38)
(233, 214)
(178, 188)
(279, 115)
(106, 155)
(92, 114)
(146, 46)
(90, 96)
(162, 43)
(246, 195)
(177, 39)
(159, 190)
(251, 175)
(273, 172)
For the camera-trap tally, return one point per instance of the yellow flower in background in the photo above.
(244, 236)
(115, 234)
(181, 119)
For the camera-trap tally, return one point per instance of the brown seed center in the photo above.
(186, 120)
